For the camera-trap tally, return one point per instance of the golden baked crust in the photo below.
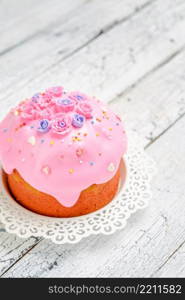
(91, 199)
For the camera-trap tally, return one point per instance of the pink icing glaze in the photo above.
(57, 153)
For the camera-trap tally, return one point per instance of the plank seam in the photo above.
(169, 257)
(102, 31)
(38, 240)
(149, 73)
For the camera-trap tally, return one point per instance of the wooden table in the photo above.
(132, 55)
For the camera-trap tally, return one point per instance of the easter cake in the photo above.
(61, 153)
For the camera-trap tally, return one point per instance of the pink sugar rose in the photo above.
(78, 96)
(85, 109)
(61, 125)
(41, 104)
(56, 91)
(27, 112)
(64, 104)
(45, 114)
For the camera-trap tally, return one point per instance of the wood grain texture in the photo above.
(157, 102)
(13, 248)
(133, 57)
(22, 21)
(49, 49)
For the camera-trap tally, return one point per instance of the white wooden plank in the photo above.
(151, 235)
(174, 266)
(13, 248)
(156, 102)
(67, 19)
(46, 50)
(11, 10)
(114, 14)
(106, 66)
(23, 20)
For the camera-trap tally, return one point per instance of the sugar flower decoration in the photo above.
(44, 126)
(61, 125)
(85, 109)
(77, 96)
(65, 105)
(78, 121)
(35, 97)
(56, 91)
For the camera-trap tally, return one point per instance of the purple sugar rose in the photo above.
(78, 121)
(44, 126)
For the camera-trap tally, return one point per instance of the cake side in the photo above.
(91, 199)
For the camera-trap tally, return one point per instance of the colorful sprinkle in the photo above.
(76, 139)
(42, 141)
(16, 113)
(46, 170)
(119, 119)
(9, 140)
(32, 140)
(97, 134)
(81, 161)
(79, 152)
(91, 163)
(52, 142)
(111, 167)
(71, 171)
(98, 119)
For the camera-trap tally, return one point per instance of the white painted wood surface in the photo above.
(131, 54)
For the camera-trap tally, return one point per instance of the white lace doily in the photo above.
(134, 193)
